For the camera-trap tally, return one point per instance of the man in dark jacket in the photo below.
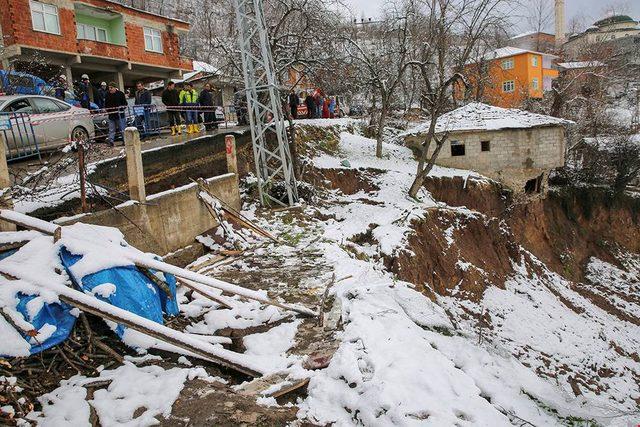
(82, 91)
(142, 109)
(206, 101)
(171, 98)
(60, 87)
(102, 94)
(115, 103)
(294, 101)
(311, 106)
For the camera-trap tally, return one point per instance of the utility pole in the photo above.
(264, 107)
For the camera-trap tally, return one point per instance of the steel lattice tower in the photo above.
(264, 107)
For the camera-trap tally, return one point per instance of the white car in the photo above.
(53, 123)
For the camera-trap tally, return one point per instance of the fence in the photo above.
(18, 135)
(26, 134)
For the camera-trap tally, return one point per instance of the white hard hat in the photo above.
(103, 84)
(84, 77)
(63, 77)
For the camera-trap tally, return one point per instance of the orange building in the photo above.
(508, 76)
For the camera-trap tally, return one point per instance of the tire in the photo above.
(79, 134)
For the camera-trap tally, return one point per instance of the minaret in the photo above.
(560, 30)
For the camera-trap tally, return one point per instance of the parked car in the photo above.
(70, 98)
(53, 121)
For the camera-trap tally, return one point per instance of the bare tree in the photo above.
(540, 16)
(446, 34)
(379, 52)
(618, 7)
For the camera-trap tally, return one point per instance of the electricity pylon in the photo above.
(264, 107)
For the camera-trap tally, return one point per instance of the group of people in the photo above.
(187, 100)
(318, 105)
(184, 103)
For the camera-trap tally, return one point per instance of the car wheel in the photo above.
(79, 134)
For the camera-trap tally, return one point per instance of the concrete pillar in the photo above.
(135, 172)
(559, 23)
(120, 80)
(69, 75)
(232, 159)
(5, 185)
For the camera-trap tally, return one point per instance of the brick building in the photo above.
(516, 147)
(536, 41)
(102, 38)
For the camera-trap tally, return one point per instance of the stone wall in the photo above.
(514, 156)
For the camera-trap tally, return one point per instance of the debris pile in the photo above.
(66, 293)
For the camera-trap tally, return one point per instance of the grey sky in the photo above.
(589, 10)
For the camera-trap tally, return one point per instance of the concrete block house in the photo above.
(102, 38)
(513, 146)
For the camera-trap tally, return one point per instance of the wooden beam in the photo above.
(90, 304)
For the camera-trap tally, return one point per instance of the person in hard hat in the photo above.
(82, 91)
(60, 87)
(189, 99)
(102, 95)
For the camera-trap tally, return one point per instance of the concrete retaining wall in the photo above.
(167, 221)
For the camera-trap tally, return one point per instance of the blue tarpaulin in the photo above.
(135, 292)
(132, 290)
(56, 314)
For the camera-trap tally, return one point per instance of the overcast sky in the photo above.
(589, 10)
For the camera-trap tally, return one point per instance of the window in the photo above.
(485, 145)
(20, 106)
(508, 86)
(89, 32)
(45, 105)
(535, 83)
(534, 61)
(44, 17)
(457, 148)
(152, 40)
(508, 64)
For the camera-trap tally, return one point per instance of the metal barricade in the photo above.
(19, 136)
(146, 118)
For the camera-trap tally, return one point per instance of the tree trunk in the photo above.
(380, 131)
(424, 169)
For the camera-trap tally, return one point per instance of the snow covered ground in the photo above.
(402, 358)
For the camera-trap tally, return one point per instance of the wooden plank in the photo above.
(237, 216)
(259, 386)
(205, 292)
(213, 260)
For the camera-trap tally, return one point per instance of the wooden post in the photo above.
(135, 172)
(232, 159)
(5, 184)
(81, 170)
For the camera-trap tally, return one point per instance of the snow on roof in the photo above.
(504, 52)
(529, 33)
(205, 67)
(477, 116)
(582, 64)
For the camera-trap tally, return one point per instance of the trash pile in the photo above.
(51, 277)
